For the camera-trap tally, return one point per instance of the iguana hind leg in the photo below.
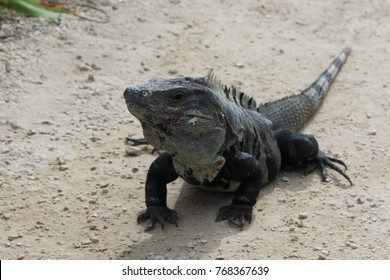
(301, 150)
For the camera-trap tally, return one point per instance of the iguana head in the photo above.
(184, 117)
(173, 106)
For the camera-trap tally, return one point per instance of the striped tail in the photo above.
(294, 111)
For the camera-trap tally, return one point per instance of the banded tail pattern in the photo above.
(293, 111)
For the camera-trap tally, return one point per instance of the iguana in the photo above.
(217, 137)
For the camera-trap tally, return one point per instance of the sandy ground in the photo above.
(69, 191)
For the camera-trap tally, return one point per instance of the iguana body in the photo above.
(217, 137)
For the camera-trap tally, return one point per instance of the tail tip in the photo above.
(347, 50)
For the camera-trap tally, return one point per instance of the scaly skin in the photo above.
(216, 137)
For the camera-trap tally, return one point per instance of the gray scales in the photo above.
(217, 137)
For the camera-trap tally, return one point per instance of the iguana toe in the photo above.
(159, 214)
(235, 214)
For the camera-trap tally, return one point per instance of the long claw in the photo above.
(338, 161)
(248, 217)
(150, 225)
(337, 169)
(323, 161)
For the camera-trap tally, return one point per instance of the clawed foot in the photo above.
(157, 214)
(236, 214)
(322, 161)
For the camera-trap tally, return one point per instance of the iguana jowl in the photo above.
(219, 138)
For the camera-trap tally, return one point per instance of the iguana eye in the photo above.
(178, 96)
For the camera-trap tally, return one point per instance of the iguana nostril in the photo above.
(127, 94)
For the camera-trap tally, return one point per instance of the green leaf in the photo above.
(33, 9)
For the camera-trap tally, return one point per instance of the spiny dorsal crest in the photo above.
(231, 93)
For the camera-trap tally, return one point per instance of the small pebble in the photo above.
(20, 257)
(321, 257)
(86, 242)
(81, 197)
(102, 186)
(285, 179)
(101, 249)
(61, 160)
(172, 72)
(94, 215)
(14, 125)
(84, 67)
(302, 216)
(6, 216)
(91, 78)
(63, 167)
(93, 239)
(323, 254)
(12, 237)
(95, 67)
(31, 132)
(239, 64)
(353, 246)
(133, 151)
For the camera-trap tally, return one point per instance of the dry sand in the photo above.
(68, 190)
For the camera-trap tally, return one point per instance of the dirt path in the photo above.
(68, 190)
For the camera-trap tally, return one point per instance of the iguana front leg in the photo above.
(301, 150)
(160, 173)
(246, 169)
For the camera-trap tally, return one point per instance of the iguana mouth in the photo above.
(197, 114)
